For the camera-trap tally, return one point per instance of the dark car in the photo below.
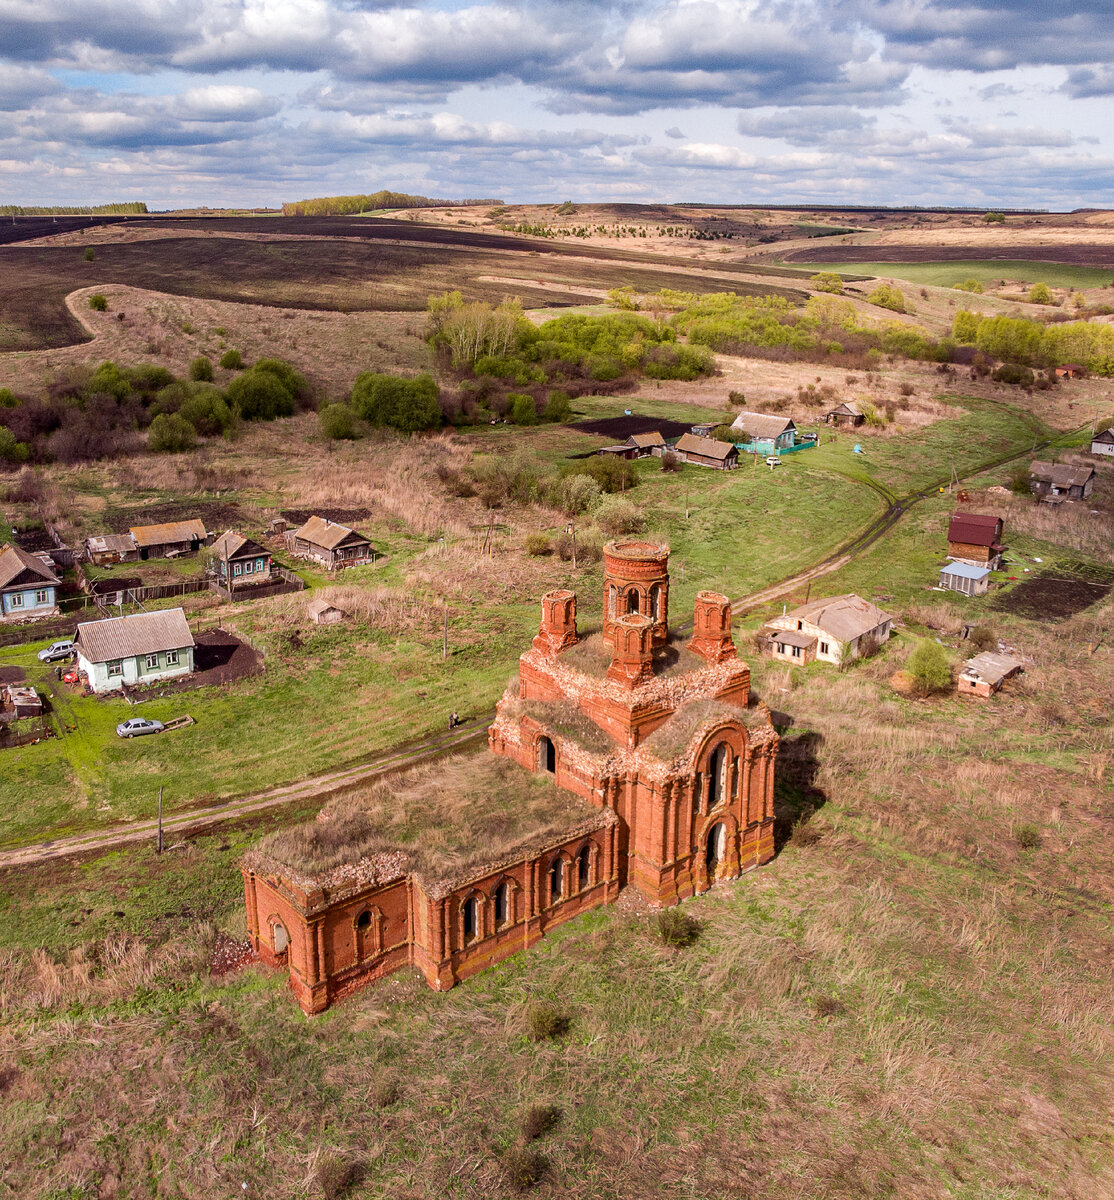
(134, 726)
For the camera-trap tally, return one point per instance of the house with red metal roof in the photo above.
(976, 538)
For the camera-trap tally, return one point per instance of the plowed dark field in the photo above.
(621, 428)
(1072, 255)
(1055, 596)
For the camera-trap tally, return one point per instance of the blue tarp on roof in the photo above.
(965, 570)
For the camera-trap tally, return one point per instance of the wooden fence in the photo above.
(286, 583)
(24, 732)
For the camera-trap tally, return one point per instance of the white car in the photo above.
(56, 650)
(134, 726)
(773, 461)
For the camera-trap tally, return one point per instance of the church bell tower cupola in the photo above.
(636, 582)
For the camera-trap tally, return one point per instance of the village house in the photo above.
(240, 562)
(333, 545)
(708, 452)
(28, 586)
(836, 630)
(847, 415)
(984, 674)
(976, 538)
(1103, 443)
(765, 434)
(107, 549)
(169, 539)
(629, 758)
(648, 444)
(965, 578)
(1054, 483)
(134, 650)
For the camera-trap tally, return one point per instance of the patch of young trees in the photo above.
(1035, 344)
(102, 412)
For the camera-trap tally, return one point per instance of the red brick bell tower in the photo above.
(636, 580)
(632, 660)
(711, 634)
(558, 628)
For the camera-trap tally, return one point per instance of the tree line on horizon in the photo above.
(124, 208)
(342, 206)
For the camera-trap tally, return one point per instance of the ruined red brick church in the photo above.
(624, 758)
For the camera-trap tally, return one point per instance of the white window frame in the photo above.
(116, 669)
(151, 662)
(236, 569)
(172, 658)
(15, 600)
(249, 566)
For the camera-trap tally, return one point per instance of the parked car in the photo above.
(73, 675)
(134, 726)
(56, 651)
(773, 461)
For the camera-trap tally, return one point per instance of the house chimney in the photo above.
(711, 636)
(632, 649)
(558, 627)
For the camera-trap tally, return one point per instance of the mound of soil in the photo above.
(339, 516)
(618, 429)
(12, 674)
(220, 657)
(34, 539)
(1055, 597)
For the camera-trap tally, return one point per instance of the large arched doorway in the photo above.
(718, 770)
(547, 756)
(715, 851)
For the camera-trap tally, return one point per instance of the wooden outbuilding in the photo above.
(845, 414)
(333, 545)
(965, 578)
(1054, 483)
(1103, 443)
(107, 549)
(646, 444)
(169, 539)
(1070, 371)
(622, 450)
(323, 612)
(976, 538)
(985, 674)
(708, 452)
(21, 700)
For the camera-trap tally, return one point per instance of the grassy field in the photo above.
(911, 1001)
(987, 271)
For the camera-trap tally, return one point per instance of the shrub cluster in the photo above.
(102, 412)
(1037, 344)
(394, 401)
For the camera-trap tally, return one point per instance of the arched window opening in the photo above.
(556, 880)
(279, 937)
(367, 933)
(502, 904)
(717, 846)
(583, 869)
(470, 915)
(718, 770)
(632, 601)
(363, 921)
(655, 601)
(612, 597)
(547, 756)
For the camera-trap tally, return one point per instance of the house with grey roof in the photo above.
(766, 434)
(1053, 483)
(135, 650)
(984, 674)
(836, 630)
(329, 543)
(708, 452)
(28, 586)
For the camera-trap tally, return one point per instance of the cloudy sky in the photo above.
(217, 102)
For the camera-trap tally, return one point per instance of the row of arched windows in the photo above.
(623, 601)
(564, 877)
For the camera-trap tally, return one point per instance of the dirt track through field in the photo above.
(402, 757)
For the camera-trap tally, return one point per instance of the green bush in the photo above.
(12, 451)
(296, 384)
(611, 473)
(675, 928)
(8, 398)
(539, 1120)
(260, 396)
(108, 379)
(558, 407)
(1013, 373)
(149, 377)
(1019, 480)
(171, 433)
(399, 403)
(827, 281)
(982, 637)
(1039, 294)
(970, 285)
(545, 1021)
(930, 668)
(995, 218)
(201, 370)
(97, 302)
(523, 409)
(885, 295)
(207, 410)
(538, 545)
(1028, 837)
(524, 1167)
(231, 360)
(965, 327)
(89, 254)
(616, 516)
(337, 422)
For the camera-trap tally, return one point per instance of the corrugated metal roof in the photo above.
(231, 544)
(762, 425)
(689, 443)
(116, 543)
(991, 668)
(125, 637)
(965, 570)
(169, 531)
(844, 617)
(975, 529)
(325, 533)
(14, 561)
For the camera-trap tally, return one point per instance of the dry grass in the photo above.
(446, 817)
(1081, 526)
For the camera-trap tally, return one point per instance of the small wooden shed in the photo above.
(322, 612)
(708, 452)
(966, 578)
(985, 674)
(845, 414)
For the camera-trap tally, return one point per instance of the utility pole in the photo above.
(158, 844)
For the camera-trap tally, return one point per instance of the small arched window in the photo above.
(718, 774)
(632, 601)
(368, 933)
(547, 756)
(279, 937)
(556, 880)
(583, 869)
(502, 904)
(470, 919)
(363, 921)
(655, 601)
